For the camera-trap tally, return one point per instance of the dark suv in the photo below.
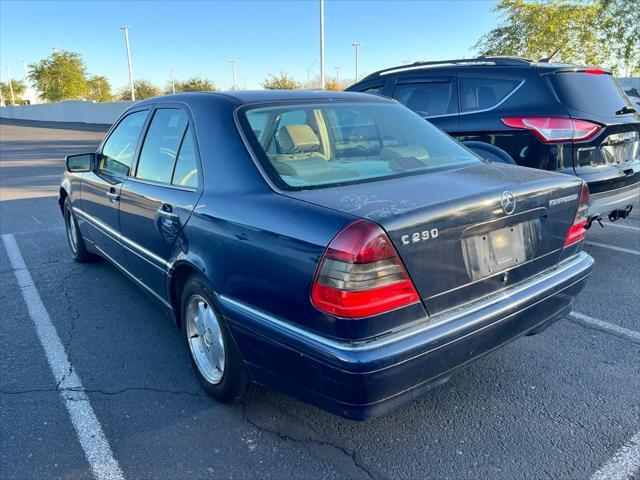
(551, 116)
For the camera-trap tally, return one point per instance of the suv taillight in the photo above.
(360, 274)
(555, 129)
(577, 231)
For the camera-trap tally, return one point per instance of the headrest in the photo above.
(297, 139)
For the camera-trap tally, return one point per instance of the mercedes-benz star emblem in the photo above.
(508, 202)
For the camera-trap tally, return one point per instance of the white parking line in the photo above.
(626, 227)
(92, 439)
(625, 464)
(613, 247)
(606, 326)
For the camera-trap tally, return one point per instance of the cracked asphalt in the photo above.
(556, 405)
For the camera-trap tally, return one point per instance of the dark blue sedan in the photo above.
(333, 246)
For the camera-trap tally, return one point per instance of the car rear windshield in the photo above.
(598, 94)
(312, 145)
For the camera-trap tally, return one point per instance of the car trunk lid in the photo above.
(467, 233)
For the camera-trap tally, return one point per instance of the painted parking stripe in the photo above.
(625, 227)
(606, 326)
(90, 434)
(624, 465)
(613, 247)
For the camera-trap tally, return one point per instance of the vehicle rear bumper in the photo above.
(603, 203)
(365, 379)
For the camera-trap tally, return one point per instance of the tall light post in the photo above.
(322, 44)
(233, 62)
(173, 83)
(309, 70)
(337, 74)
(126, 41)
(245, 82)
(357, 45)
(13, 100)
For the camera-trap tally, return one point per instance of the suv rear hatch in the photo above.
(611, 159)
(456, 232)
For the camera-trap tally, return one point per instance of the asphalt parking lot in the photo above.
(560, 405)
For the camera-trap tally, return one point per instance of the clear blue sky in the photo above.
(198, 38)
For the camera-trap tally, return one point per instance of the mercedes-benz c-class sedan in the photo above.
(333, 246)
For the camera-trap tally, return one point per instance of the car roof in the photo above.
(241, 97)
(489, 62)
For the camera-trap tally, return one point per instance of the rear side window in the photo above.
(186, 171)
(161, 144)
(597, 94)
(482, 93)
(427, 99)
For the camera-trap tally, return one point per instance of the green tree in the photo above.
(18, 87)
(538, 29)
(280, 82)
(61, 76)
(142, 89)
(194, 84)
(99, 89)
(620, 25)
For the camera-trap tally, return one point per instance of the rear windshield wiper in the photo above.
(624, 110)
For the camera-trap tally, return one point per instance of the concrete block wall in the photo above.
(74, 111)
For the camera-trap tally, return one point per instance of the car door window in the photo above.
(482, 93)
(377, 90)
(160, 147)
(117, 153)
(430, 99)
(186, 170)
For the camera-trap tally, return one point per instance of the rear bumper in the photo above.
(368, 378)
(603, 203)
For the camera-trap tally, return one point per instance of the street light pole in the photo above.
(126, 40)
(322, 44)
(337, 75)
(173, 83)
(233, 66)
(357, 45)
(13, 100)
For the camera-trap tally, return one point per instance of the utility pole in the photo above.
(126, 41)
(26, 73)
(173, 83)
(245, 82)
(309, 69)
(233, 62)
(357, 45)
(337, 74)
(13, 100)
(322, 44)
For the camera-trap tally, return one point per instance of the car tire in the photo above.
(214, 354)
(76, 243)
(489, 152)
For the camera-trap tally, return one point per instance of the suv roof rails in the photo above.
(483, 59)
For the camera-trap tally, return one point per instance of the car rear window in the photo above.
(321, 144)
(598, 94)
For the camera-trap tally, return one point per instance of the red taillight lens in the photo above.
(555, 129)
(577, 231)
(361, 274)
(594, 71)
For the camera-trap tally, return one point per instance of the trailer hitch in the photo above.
(620, 213)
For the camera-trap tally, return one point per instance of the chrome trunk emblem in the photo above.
(508, 202)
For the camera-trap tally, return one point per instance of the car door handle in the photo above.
(112, 195)
(167, 217)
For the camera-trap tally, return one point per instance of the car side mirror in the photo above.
(82, 162)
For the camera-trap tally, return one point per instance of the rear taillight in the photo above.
(577, 231)
(555, 129)
(360, 274)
